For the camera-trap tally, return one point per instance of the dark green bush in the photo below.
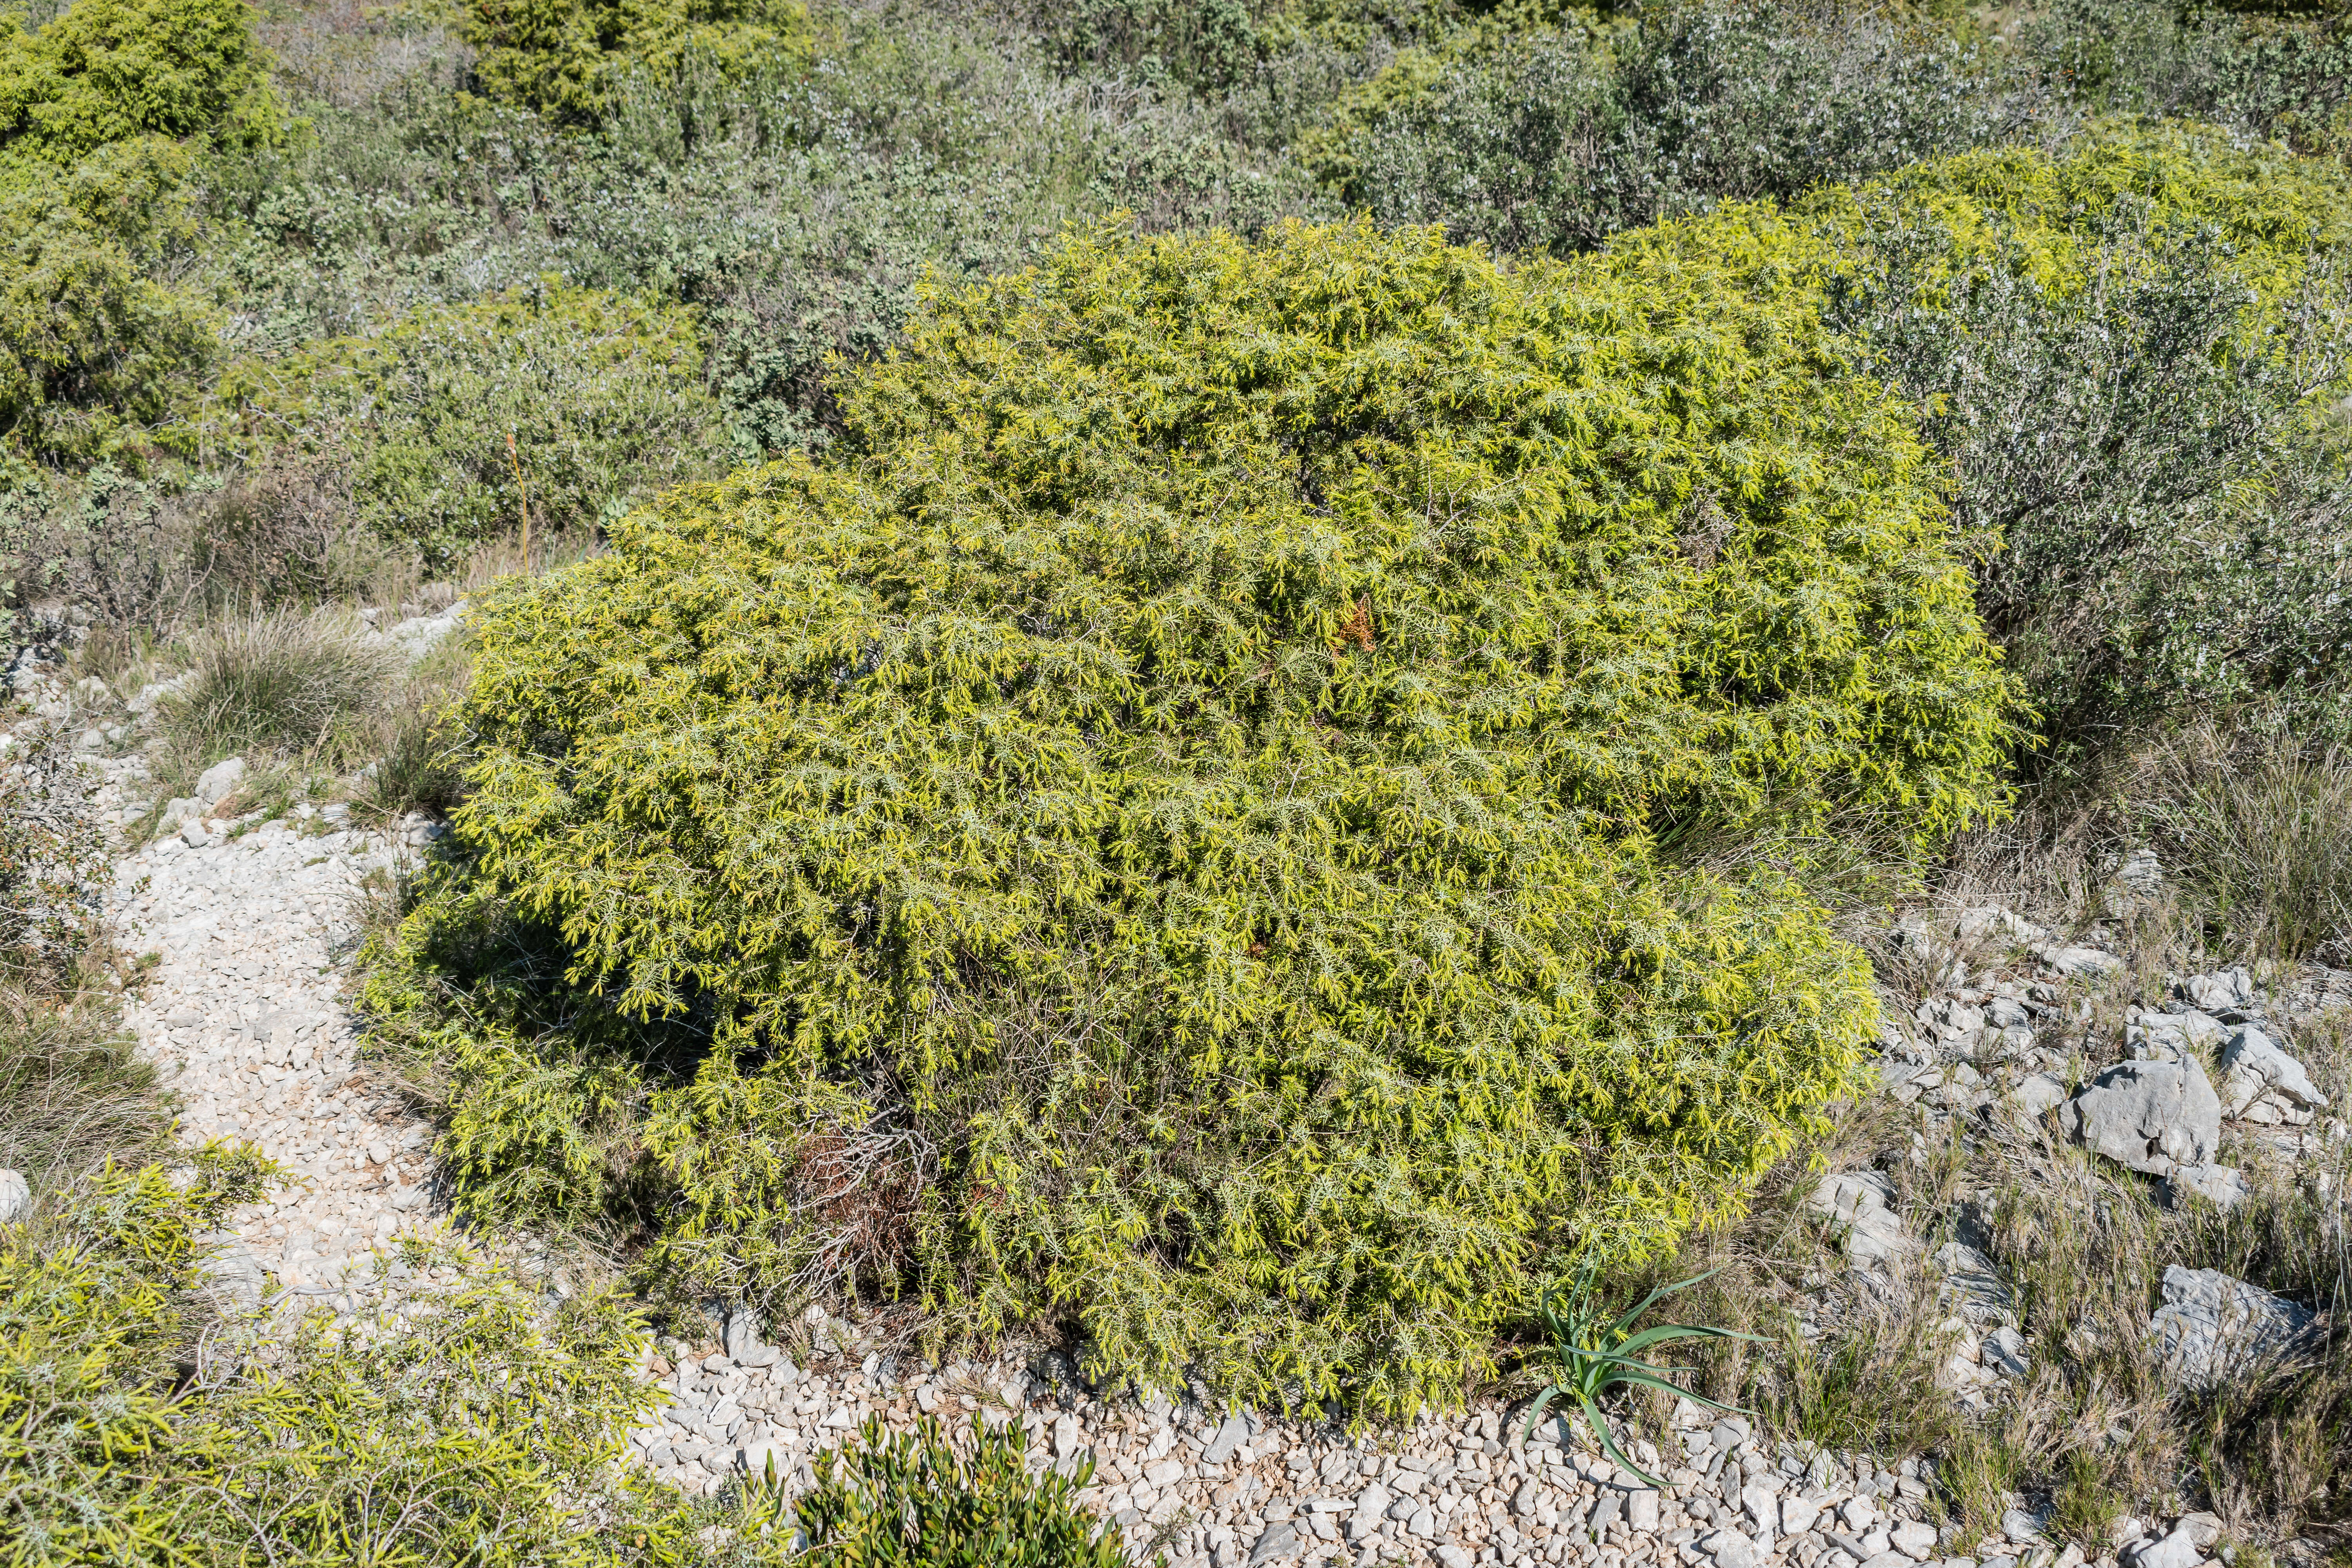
(93, 342)
(1555, 139)
(2131, 355)
(2142, 448)
(909, 1500)
(95, 335)
(1168, 807)
(2282, 73)
(1206, 44)
(549, 407)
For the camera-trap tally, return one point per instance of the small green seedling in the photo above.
(1594, 1355)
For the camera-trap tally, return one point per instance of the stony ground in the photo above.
(244, 1012)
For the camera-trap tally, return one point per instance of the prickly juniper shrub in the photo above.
(1155, 830)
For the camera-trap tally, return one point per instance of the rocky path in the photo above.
(245, 1016)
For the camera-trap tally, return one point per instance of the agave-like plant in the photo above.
(1595, 1354)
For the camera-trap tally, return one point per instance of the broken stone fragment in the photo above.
(2224, 990)
(2219, 1184)
(2251, 1064)
(1971, 1286)
(1988, 918)
(2004, 1352)
(2150, 1116)
(1856, 1204)
(2211, 1327)
(2038, 1092)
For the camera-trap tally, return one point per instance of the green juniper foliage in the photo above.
(1156, 829)
(480, 1429)
(909, 1500)
(98, 112)
(113, 71)
(479, 1424)
(570, 60)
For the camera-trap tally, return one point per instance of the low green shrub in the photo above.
(94, 342)
(911, 1500)
(107, 71)
(2278, 73)
(550, 408)
(796, 216)
(456, 1415)
(1555, 138)
(98, 112)
(1158, 831)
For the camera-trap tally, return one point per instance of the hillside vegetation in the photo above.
(1245, 684)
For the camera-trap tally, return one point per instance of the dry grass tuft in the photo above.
(72, 1095)
(284, 683)
(2260, 835)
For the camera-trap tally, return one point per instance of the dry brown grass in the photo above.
(2258, 830)
(72, 1095)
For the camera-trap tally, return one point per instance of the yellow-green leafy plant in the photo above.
(1155, 830)
(476, 1424)
(569, 58)
(909, 1500)
(453, 1414)
(95, 1308)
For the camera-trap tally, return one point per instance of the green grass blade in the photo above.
(1660, 1294)
(1609, 1443)
(1536, 1413)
